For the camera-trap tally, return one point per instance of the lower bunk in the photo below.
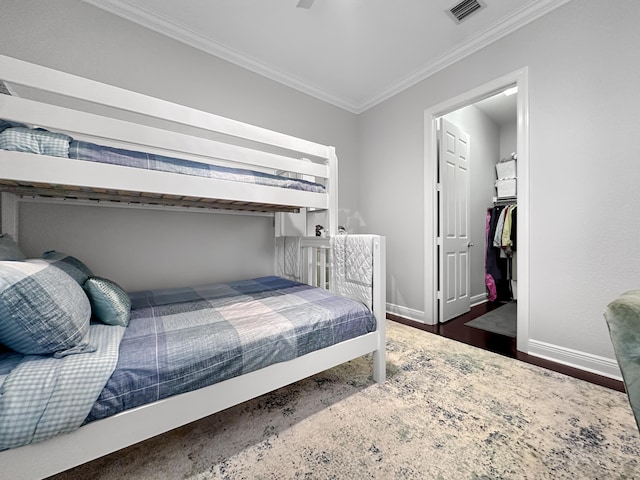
(191, 352)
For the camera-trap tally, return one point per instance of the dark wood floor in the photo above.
(457, 330)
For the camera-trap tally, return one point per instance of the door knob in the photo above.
(470, 244)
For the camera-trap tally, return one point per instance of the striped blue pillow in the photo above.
(71, 265)
(42, 310)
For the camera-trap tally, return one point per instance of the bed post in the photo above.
(9, 214)
(380, 307)
(332, 222)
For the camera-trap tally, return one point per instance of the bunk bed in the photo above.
(270, 173)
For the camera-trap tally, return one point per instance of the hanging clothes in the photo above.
(489, 281)
(501, 243)
(506, 242)
(497, 237)
(492, 265)
(514, 229)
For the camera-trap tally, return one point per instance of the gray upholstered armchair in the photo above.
(623, 319)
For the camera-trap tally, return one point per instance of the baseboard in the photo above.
(478, 299)
(606, 367)
(406, 312)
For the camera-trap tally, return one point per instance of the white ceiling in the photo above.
(500, 108)
(351, 53)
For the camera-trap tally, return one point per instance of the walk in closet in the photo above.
(492, 200)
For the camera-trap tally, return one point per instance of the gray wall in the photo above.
(484, 153)
(583, 77)
(75, 37)
(508, 139)
(172, 249)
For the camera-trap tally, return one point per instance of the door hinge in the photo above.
(439, 295)
(439, 241)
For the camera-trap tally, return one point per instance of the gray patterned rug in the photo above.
(447, 411)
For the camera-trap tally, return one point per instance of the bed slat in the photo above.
(156, 140)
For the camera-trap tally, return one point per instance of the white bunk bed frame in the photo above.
(25, 176)
(109, 182)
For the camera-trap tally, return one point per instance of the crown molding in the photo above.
(507, 25)
(184, 34)
(168, 27)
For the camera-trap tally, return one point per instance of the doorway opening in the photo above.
(453, 249)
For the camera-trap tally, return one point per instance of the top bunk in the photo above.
(64, 136)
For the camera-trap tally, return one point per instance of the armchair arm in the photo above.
(623, 319)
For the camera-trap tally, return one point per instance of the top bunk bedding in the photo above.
(20, 138)
(128, 147)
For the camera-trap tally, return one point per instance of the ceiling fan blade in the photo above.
(305, 3)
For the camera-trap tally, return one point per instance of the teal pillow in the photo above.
(109, 302)
(9, 250)
(42, 310)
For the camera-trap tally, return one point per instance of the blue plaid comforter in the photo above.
(129, 158)
(184, 339)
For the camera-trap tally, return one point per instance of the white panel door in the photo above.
(454, 222)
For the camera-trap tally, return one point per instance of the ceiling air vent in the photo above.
(465, 8)
(305, 4)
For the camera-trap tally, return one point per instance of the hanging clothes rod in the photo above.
(505, 201)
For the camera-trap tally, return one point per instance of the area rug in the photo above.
(447, 411)
(502, 320)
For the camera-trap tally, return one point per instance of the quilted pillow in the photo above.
(42, 310)
(109, 302)
(71, 265)
(9, 250)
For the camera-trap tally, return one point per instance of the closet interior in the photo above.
(501, 242)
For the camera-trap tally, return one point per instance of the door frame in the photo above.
(431, 115)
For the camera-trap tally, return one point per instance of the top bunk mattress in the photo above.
(20, 138)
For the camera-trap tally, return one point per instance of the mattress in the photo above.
(180, 340)
(177, 340)
(17, 137)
